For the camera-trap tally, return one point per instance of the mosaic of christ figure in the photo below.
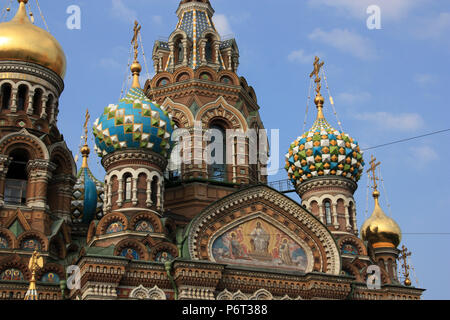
(260, 240)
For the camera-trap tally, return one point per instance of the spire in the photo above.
(85, 151)
(36, 262)
(319, 100)
(21, 15)
(136, 67)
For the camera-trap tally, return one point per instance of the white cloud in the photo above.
(110, 63)
(422, 156)
(302, 57)
(119, 10)
(386, 120)
(390, 9)
(347, 42)
(435, 27)
(222, 25)
(353, 98)
(424, 78)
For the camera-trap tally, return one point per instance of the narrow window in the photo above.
(17, 178)
(328, 211)
(22, 97)
(128, 187)
(37, 102)
(6, 96)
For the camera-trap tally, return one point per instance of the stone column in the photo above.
(347, 219)
(14, 100)
(185, 51)
(30, 109)
(149, 193)
(158, 195)
(230, 61)
(43, 114)
(134, 191)
(109, 206)
(335, 216)
(120, 193)
(39, 175)
(216, 50)
(322, 213)
(203, 52)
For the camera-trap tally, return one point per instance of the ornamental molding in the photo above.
(254, 194)
(134, 154)
(33, 70)
(326, 182)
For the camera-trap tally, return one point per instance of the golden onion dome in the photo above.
(20, 40)
(380, 230)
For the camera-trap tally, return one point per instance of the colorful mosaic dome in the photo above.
(88, 194)
(135, 122)
(323, 151)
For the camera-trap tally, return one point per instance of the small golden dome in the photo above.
(20, 40)
(379, 229)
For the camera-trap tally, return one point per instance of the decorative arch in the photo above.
(106, 221)
(205, 69)
(183, 71)
(51, 268)
(162, 75)
(262, 294)
(180, 113)
(15, 262)
(225, 295)
(132, 244)
(24, 139)
(269, 205)
(39, 236)
(59, 150)
(151, 217)
(221, 109)
(160, 248)
(231, 75)
(9, 237)
(142, 293)
(356, 242)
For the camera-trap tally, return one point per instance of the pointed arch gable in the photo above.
(33, 144)
(273, 207)
(179, 112)
(222, 109)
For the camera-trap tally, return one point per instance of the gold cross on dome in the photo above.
(404, 254)
(137, 29)
(317, 66)
(373, 167)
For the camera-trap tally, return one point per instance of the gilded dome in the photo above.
(20, 40)
(323, 151)
(379, 229)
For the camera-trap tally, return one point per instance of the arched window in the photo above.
(22, 97)
(37, 102)
(327, 206)
(209, 50)
(6, 96)
(127, 190)
(179, 52)
(350, 214)
(218, 140)
(154, 194)
(16, 178)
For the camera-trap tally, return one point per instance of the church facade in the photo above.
(166, 223)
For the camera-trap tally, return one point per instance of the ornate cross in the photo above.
(372, 169)
(404, 254)
(88, 116)
(317, 66)
(137, 29)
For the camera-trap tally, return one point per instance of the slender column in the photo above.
(158, 195)
(134, 190)
(185, 51)
(109, 196)
(120, 193)
(355, 227)
(216, 49)
(4, 165)
(203, 51)
(149, 193)
(30, 109)
(230, 61)
(322, 213)
(347, 218)
(43, 114)
(14, 100)
(335, 216)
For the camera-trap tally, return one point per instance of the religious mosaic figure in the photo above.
(260, 240)
(237, 251)
(285, 253)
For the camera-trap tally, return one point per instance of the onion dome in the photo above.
(323, 151)
(380, 230)
(135, 122)
(87, 197)
(20, 40)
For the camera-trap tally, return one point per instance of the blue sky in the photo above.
(387, 84)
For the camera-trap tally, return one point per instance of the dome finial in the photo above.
(319, 100)
(372, 170)
(85, 151)
(136, 67)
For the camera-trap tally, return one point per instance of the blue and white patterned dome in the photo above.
(134, 123)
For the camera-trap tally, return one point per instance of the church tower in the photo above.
(197, 82)
(37, 171)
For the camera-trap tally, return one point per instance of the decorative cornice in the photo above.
(134, 154)
(326, 182)
(33, 70)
